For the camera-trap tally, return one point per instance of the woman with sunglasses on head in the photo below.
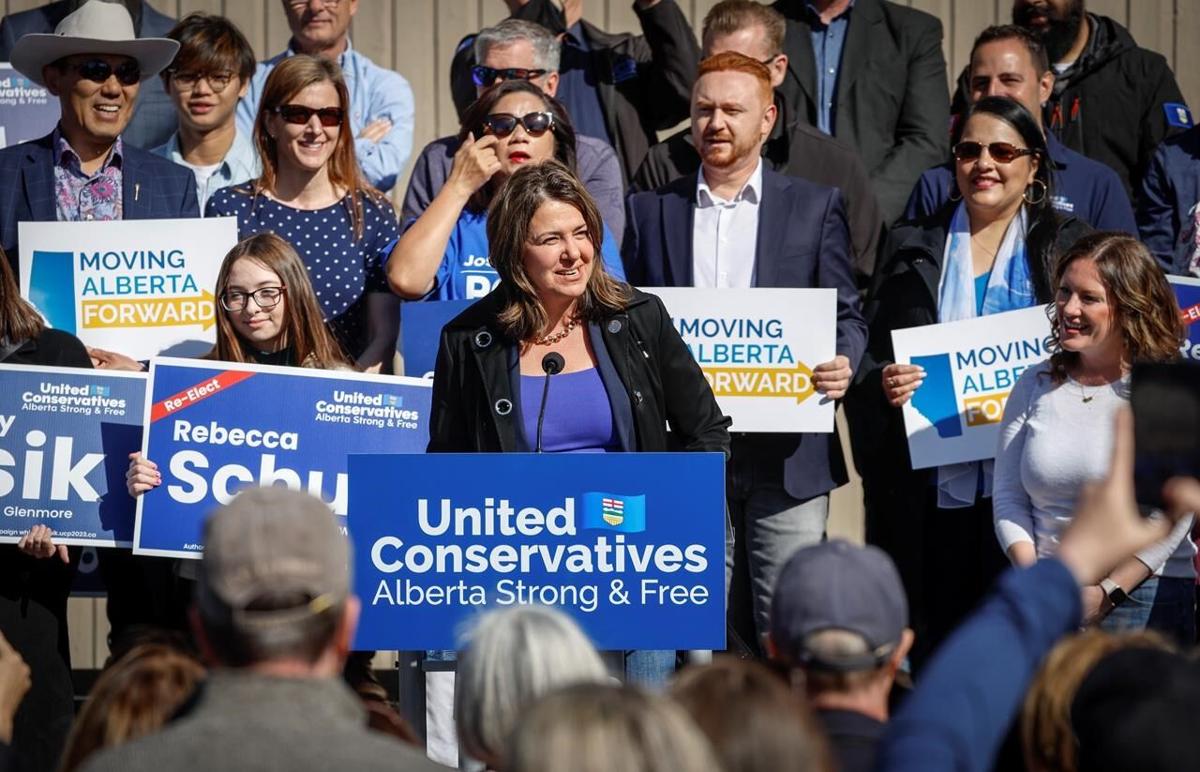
(443, 254)
(988, 250)
(312, 193)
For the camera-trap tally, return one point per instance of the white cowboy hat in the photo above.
(96, 28)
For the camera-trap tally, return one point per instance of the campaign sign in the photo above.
(970, 368)
(138, 287)
(216, 427)
(631, 545)
(65, 438)
(27, 110)
(1187, 291)
(757, 348)
(421, 324)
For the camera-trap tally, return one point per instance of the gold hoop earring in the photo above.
(1037, 199)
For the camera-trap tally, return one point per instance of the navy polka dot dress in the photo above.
(342, 269)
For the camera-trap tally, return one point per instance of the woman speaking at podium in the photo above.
(621, 374)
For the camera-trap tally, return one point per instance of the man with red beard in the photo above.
(735, 223)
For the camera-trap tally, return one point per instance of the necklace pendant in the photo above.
(1088, 399)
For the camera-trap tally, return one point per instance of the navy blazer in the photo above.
(153, 188)
(154, 117)
(803, 241)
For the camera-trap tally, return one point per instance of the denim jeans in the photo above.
(1162, 603)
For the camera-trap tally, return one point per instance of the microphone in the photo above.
(552, 364)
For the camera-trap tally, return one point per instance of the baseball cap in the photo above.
(270, 544)
(836, 585)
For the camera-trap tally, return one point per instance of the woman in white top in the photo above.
(1113, 307)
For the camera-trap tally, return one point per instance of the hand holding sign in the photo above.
(38, 543)
(832, 378)
(900, 381)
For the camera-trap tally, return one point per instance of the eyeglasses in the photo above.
(1001, 152)
(503, 124)
(302, 3)
(265, 298)
(300, 115)
(486, 76)
(186, 81)
(128, 72)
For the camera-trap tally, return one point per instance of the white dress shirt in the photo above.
(725, 234)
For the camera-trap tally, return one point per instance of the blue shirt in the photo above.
(466, 273)
(577, 85)
(1167, 201)
(374, 93)
(239, 165)
(981, 283)
(578, 417)
(1083, 188)
(827, 42)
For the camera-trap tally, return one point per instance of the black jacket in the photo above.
(474, 395)
(1112, 104)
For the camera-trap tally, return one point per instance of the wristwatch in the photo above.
(1116, 595)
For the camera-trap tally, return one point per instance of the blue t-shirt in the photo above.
(343, 269)
(578, 414)
(466, 274)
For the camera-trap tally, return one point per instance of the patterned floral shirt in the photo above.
(80, 197)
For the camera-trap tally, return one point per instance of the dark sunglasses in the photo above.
(300, 115)
(503, 124)
(486, 76)
(98, 71)
(1001, 152)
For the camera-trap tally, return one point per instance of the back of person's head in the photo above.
(1031, 42)
(510, 659)
(1137, 710)
(839, 615)
(19, 320)
(274, 583)
(134, 696)
(1046, 733)
(547, 49)
(209, 43)
(603, 727)
(755, 722)
(730, 17)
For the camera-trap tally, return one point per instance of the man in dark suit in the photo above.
(872, 74)
(794, 148)
(698, 231)
(155, 120)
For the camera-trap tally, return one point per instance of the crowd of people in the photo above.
(824, 151)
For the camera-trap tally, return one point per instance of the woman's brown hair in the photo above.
(135, 696)
(19, 320)
(523, 317)
(304, 329)
(1139, 295)
(289, 78)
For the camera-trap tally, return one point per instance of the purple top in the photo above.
(578, 414)
(79, 196)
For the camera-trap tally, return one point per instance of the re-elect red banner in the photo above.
(198, 393)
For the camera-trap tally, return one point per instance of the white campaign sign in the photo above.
(757, 348)
(970, 368)
(138, 287)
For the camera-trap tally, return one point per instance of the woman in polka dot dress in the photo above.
(312, 193)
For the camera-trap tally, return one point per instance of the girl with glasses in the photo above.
(988, 250)
(312, 193)
(443, 254)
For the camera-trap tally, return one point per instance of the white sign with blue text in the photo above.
(214, 428)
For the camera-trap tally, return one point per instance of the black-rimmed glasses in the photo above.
(98, 71)
(300, 115)
(485, 76)
(186, 81)
(265, 298)
(503, 124)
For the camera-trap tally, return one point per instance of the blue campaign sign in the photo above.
(65, 439)
(27, 110)
(631, 545)
(1187, 291)
(421, 324)
(215, 427)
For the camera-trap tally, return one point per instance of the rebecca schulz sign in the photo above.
(137, 287)
(757, 348)
(631, 545)
(1187, 292)
(27, 110)
(216, 427)
(65, 439)
(971, 367)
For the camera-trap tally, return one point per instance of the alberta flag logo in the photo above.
(614, 512)
(393, 401)
(101, 391)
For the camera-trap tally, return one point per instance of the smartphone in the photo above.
(1166, 416)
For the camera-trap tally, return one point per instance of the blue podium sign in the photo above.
(65, 439)
(631, 545)
(421, 324)
(214, 428)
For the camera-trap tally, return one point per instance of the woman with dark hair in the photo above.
(1113, 307)
(987, 251)
(443, 254)
(312, 193)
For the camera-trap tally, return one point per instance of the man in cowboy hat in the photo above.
(82, 170)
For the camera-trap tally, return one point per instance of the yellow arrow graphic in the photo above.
(197, 310)
(761, 382)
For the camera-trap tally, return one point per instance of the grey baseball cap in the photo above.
(837, 585)
(270, 544)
